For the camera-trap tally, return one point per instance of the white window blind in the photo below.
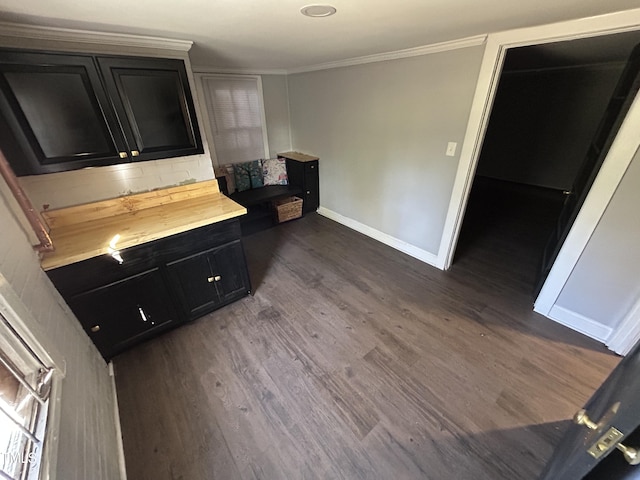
(25, 384)
(235, 109)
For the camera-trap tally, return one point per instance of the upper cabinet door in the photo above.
(56, 115)
(153, 100)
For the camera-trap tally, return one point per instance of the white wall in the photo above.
(276, 109)
(381, 131)
(605, 282)
(88, 445)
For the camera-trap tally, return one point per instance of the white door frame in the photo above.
(627, 334)
(612, 170)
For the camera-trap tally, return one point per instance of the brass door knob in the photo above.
(630, 454)
(95, 328)
(607, 441)
(581, 418)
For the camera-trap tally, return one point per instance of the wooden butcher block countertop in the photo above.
(85, 231)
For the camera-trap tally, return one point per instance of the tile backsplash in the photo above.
(87, 185)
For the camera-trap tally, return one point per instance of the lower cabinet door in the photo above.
(120, 314)
(231, 267)
(210, 279)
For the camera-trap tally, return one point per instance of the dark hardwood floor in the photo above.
(355, 361)
(505, 229)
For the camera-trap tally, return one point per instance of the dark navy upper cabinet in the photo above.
(63, 111)
(153, 100)
(57, 114)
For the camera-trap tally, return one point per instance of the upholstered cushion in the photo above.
(231, 179)
(255, 173)
(275, 171)
(241, 176)
(248, 175)
(226, 171)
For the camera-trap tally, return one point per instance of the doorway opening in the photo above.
(551, 102)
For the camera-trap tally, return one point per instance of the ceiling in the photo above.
(272, 34)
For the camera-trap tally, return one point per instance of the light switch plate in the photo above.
(451, 149)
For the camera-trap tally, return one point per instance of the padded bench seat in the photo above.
(256, 196)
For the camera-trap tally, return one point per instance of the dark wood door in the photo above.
(230, 264)
(120, 314)
(153, 98)
(210, 279)
(57, 113)
(619, 105)
(611, 418)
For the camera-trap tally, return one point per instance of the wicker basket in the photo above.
(287, 208)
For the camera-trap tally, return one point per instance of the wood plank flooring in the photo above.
(355, 361)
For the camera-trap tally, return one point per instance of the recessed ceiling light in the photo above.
(318, 10)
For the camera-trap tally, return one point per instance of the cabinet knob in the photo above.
(95, 328)
(217, 278)
(123, 154)
(135, 153)
(308, 192)
(313, 166)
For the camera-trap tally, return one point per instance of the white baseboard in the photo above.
(627, 332)
(580, 323)
(411, 250)
(121, 462)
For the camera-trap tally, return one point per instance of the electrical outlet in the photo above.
(451, 149)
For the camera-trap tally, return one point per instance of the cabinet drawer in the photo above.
(98, 271)
(311, 172)
(123, 313)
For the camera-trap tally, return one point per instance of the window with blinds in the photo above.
(25, 384)
(236, 117)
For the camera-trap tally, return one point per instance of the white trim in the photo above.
(580, 323)
(406, 53)
(116, 414)
(613, 169)
(238, 71)
(263, 117)
(382, 237)
(486, 88)
(205, 123)
(15, 312)
(627, 333)
(490, 70)
(610, 175)
(85, 36)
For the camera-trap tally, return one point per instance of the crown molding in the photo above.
(239, 71)
(409, 52)
(89, 37)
